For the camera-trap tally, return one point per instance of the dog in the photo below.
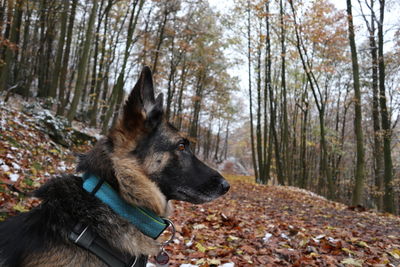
(140, 165)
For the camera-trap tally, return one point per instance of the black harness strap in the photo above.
(85, 237)
(97, 187)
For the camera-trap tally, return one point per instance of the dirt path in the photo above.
(282, 226)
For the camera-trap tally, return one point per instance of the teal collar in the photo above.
(144, 219)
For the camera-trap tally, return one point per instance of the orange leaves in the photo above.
(258, 225)
(28, 158)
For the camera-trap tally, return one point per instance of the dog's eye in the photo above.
(181, 147)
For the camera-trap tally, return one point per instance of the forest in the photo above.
(298, 93)
(295, 102)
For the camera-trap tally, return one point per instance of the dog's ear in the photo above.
(141, 108)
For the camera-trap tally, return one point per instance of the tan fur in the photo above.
(137, 190)
(135, 187)
(136, 243)
(157, 161)
(70, 256)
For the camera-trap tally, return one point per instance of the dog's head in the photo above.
(153, 146)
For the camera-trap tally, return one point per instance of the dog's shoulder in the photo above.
(59, 188)
(47, 225)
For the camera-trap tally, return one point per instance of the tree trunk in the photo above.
(179, 114)
(65, 61)
(60, 49)
(11, 48)
(171, 76)
(253, 152)
(197, 100)
(378, 152)
(358, 191)
(83, 62)
(47, 31)
(259, 143)
(386, 128)
(285, 135)
(100, 77)
(217, 141)
(267, 133)
(10, 8)
(303, 142)
(160, 38)
(21, 70)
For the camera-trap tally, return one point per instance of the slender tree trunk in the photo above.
(21, 70)
(100, 78)
(2, 12)
(83, 62)
(171, 76)
(378, 152)
(65, 61)
(160, 38)
(197, 104)
(145, 36)
(216, 159)
(386, 128)
(11, 48)
(259, 143)
(285, 136)
(47, 31)
(267, 136)
(94, 80)
(253, 152)
(278, 159)
(358, 191)
(303, 141)
(10, 8)
(226, 140)
(179, 114)
(60, 49)
(17, 35)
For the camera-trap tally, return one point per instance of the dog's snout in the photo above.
(224, 186)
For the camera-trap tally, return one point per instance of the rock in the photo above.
(57, 127)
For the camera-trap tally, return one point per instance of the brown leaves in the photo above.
(258, 225)
(28, 158)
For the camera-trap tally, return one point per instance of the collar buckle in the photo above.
(173, 232)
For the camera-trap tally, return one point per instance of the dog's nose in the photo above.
(224, 186)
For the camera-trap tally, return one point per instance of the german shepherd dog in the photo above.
(144, 159)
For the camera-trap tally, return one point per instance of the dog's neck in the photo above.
(134, 186)
(144, 219)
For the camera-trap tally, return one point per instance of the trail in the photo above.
(256, 225)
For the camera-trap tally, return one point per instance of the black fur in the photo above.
(97, 161)
(48, 225)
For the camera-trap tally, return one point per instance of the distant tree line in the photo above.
(323, 108)
(81, 56)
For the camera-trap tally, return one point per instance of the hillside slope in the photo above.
(253, 225)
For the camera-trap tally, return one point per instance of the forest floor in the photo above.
(253, 225)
